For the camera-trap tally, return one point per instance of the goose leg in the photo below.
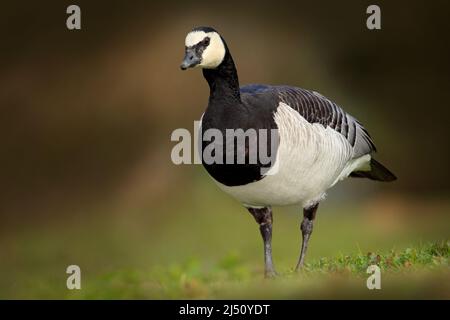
(307, 227)
(263, 217)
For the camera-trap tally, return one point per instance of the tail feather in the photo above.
(378, 172)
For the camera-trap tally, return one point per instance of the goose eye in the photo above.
(206, 41)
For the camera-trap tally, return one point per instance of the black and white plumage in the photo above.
(318, 145)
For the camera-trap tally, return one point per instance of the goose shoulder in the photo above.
(314, 108)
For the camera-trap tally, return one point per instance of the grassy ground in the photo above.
(196, 248)
(419, 272)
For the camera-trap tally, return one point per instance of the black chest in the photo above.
(238, 142)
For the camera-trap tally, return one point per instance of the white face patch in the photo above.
(214, 53)
(194, 37)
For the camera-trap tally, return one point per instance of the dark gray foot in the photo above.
(263, 217)
(307, 227)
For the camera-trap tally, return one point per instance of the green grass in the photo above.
(430, 255)
(415, 272)
(205, 245)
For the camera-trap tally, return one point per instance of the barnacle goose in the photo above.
(318, 143)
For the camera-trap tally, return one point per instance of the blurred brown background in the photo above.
(86, 116)
(81, 111)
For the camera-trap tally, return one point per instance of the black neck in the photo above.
(223, 82)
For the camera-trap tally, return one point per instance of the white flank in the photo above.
(310, 160)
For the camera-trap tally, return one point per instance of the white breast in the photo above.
(310, 160)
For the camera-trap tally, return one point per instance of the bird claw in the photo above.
(299, 267)
(270, 274)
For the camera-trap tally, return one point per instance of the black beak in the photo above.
(190, 59)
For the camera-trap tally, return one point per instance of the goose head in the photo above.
(204, 48)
